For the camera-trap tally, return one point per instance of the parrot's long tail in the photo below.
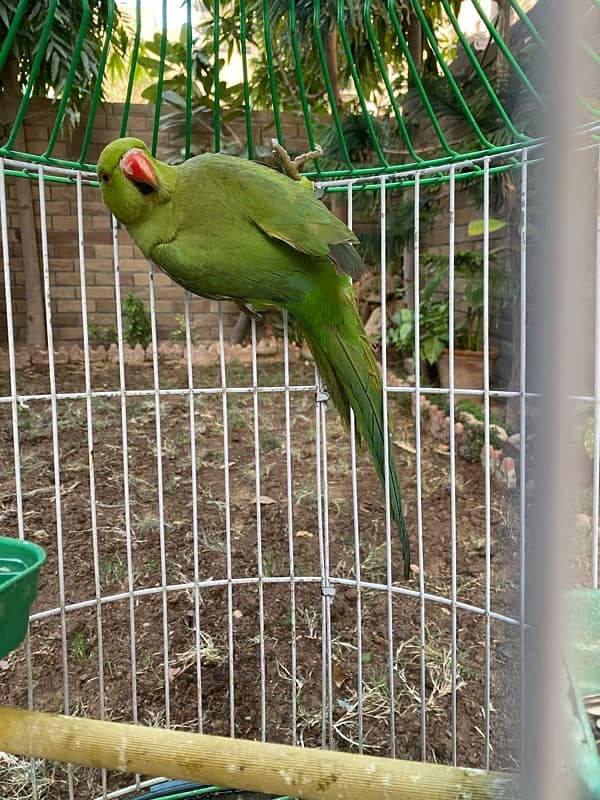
(344, 356)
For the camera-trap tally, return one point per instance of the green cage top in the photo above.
(383, 85)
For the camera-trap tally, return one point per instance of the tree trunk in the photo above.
(514, 264)
(36, 322)
(241, 329)
(332, 68)
(503, 28)
(415, 43)
(338, 201)
(408, 276)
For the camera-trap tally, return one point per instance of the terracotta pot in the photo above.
(468, 370)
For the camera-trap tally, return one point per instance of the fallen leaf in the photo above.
(406, 446)
(237, 614)
(4, 664)
(442, 449)
(305, 534)
(173, 672)
(265, 500)
(339, 676)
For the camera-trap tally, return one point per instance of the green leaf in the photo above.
(476, 226)
(432, 348)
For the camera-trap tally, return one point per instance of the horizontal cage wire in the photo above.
(186, 559)
(221, 555)
(476, 95)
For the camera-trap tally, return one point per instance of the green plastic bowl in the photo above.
(20, 564)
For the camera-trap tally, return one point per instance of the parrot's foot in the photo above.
(289, 167)
(249, 311)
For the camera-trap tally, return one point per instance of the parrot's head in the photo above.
(133, 182)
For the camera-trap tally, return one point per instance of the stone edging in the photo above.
(466, 429)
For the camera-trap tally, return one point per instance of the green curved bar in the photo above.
(132, 66)
(501, 44)
(35, 68)
(414, 73)
(160, 79)
(12, 32)
(271, 71)
(450, 77)
(483, 77)
(70, 78)
(110, 21)
(247, 104)
(300, 78)
(323, 62)
(527, 22)
(357, 84)
(386, 79)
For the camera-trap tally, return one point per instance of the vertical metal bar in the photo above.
(160, 78)
(290, 521)
(259, 552)
(357, 562)
(452, 398)
(227, 526)
(189, 78)
(320, 525)
(386, 463)
(195, 539)
(91, 458)
(522, 437)
(161, 504)
(217, 79)
(327, 589)
(10, 334)
(125, 448)
(486, 412)
(417, 287)
(596, 459)
(56, 454)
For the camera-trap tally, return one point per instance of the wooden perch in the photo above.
(256, 766)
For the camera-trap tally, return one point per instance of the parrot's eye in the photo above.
(105, 177)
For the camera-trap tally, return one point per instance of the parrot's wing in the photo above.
(286, 210)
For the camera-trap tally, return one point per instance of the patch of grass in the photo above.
(268, 563)
(113, 569)
(149, 523)
(438, 663)
(16, 775)
(79, 644)
(269, 441)
(212, 653)
(375, 564)
(237, 414)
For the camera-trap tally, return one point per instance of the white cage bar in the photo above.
(328, 580)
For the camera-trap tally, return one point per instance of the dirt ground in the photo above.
(68, 654)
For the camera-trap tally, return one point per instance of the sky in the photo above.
(176, 14)
(152, 15)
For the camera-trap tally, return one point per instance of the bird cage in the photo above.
(220, 556)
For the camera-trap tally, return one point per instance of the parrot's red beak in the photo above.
(136, 166)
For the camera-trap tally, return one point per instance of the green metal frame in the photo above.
(448, 153)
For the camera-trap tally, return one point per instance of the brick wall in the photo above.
(61, 219)
(63, 252)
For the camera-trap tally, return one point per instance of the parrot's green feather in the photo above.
(227, 228)
(347, 365)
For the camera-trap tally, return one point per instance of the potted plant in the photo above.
(434, 316)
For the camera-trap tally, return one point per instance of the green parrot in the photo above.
(231, 229)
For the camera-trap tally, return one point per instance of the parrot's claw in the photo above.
(249, 311)
(289, 167)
